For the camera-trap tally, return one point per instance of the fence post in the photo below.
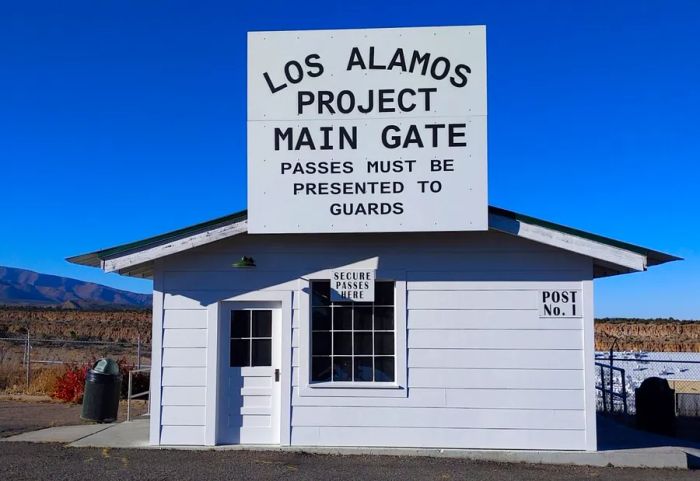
(28, 361)
(602, 385)
(138, 352)
(624, 394)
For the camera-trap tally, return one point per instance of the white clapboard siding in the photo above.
(182, 435)
(515, 398)
(459, 284)
(495, 339)
(188, 300)
(562, 399)
(182, 415)
(486, 319)
(183, 396)
(440, 438)
(178, 281)
(496, 378)
(476, 299)
(184, 376)
(185, 319)
(184, 357)
(495, 358)
(438, 418)
(416, 398)
(184, 338)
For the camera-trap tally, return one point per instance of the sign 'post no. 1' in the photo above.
(376, 130)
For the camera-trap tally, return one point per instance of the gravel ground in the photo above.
(30, 413)
(24, 461)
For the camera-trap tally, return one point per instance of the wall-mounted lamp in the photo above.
(244, 262)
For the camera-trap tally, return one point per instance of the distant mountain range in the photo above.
(21, 287)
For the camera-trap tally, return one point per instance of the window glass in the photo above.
(352, 341)
(251, 338)
(240, 324)
(240, 352)
(342, 318)
(262, 323)
(321, 368)
(261, 354)
(342, 368)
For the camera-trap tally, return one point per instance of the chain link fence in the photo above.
(619, 373)
(24, 355)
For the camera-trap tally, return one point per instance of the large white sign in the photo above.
(377, 130)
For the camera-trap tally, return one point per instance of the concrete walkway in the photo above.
(620, 446)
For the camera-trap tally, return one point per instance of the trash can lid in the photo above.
(106, 366)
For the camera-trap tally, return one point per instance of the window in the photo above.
(251, 338)
(352, 341)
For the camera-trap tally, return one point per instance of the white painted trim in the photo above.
(569, 242)
(589, 365)
(285, 298)
(212, 382)
(173, 247)
(399, 388)
(156, 358)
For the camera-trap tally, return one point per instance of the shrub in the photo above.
(71, 384)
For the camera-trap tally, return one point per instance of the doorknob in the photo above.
(277, 375)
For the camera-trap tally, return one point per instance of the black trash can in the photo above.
(102, 390)
(656, 407)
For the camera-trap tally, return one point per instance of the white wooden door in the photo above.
(250, 397)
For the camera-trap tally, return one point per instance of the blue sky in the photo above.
(124, 119)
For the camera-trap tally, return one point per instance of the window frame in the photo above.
(397, 388)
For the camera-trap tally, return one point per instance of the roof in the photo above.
(613, 256)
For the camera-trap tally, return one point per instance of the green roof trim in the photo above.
(95, 258)
(172, 235)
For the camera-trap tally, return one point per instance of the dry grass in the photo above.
(12, 380)
(42, 380)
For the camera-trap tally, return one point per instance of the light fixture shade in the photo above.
(244, 262)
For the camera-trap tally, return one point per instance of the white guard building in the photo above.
(479, 339)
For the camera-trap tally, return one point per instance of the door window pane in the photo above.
(262, 323)
(262, 352)
(240, 352)
(240, 324)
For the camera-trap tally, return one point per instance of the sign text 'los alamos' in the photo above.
(379, 130)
